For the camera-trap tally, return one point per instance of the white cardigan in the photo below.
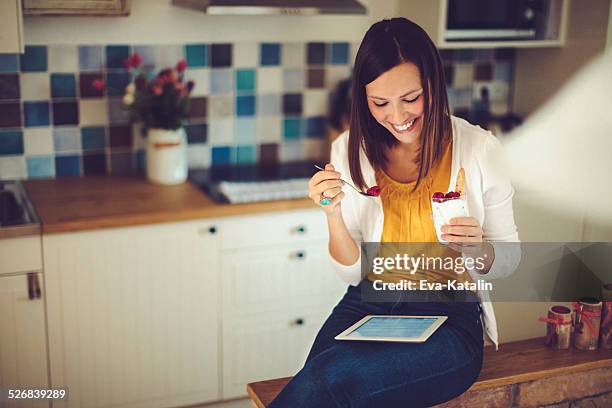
(489, 200)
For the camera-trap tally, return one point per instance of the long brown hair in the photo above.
(387, 44)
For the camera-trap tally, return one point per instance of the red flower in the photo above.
(181, 65)
(157, 90)
(136, 60)
(165, 74)
(97, 84)
(133, 61)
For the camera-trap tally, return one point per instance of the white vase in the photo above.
(166, 156)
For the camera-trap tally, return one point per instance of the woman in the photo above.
(403, 139)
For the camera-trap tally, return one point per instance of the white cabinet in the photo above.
(23, 354)
(11, 27)
(278, 288)
(133, 314)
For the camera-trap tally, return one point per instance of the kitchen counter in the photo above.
(92, 202)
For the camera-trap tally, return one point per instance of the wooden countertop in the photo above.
(92, 202)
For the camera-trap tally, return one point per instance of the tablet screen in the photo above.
(393, 327)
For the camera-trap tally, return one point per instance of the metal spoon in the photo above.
(369, 193)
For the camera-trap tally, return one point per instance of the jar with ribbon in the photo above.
(558, 327)
(587, 323)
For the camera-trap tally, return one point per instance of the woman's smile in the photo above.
(405, 127)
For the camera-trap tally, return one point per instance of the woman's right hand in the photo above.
(326, 184)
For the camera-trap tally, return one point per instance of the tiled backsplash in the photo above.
(252, 102)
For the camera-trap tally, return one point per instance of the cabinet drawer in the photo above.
(280, 278)
(21, 254)
(267, 346)
(270, 229)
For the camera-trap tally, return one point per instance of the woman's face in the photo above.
(396, 101)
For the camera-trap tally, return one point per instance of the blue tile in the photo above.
(464, 55)
(93, 138)
(34, 58)
(270, 54)
(245, 105)
(197, 133)
(36, 114)
(10, 86)
(246, 154)
(245, 80)
(292, 128)
(116, 83)
(245, 130)
(9, 62)
(67, 166)
(339, 53)
(91, 58)
(221, 55)
(11, 142)
(63, 86)
(40, 166)
(66, 139)
(116, 55)
(221, 155)
(196, 55)
(316, 127)
(502, 71)
(221, 81)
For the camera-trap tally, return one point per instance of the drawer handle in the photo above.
(298, 255)
(300, 230)
(298, 322)
(34, 291)
(210, 230)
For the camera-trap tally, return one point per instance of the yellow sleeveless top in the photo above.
(408, 218)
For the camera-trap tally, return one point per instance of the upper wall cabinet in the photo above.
(11, 27)
(490, 23)
(76, 7)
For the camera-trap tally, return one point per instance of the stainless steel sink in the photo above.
(17, 215)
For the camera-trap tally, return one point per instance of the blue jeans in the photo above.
(361, 374)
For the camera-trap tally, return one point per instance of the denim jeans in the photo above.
(361, 374)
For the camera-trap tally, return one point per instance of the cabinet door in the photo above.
(267, 346)
(11, 27)
(23, 354)
(133, 315)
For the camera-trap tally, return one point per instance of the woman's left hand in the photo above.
(464, 235)
(462, 229)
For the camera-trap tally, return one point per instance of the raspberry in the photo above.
(373, 191)
(437, 194)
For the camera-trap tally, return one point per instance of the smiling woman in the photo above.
(403, 138)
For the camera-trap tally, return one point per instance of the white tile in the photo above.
(63, 58)
(314, 149)
(294, 55)
(198, 155)
(93, 112)
(269, 79)
(499, 108)
(464, 75)
(221, 131)
(315, 102)
(38, 141)
(269, 129)
(290, 150)
(246, 55)
(335, 74)
(220, 106)
(35, 86)
(353, 53)
(167, 56)
(201, 78)
(12, 167)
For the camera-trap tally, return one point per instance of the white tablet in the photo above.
(405, 329)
